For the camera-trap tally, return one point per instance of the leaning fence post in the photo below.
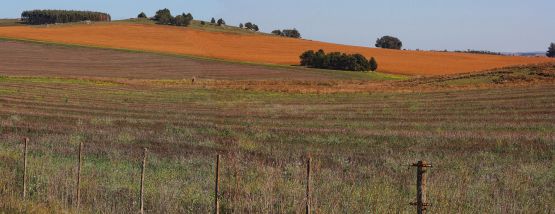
(308, 209)
(79, 163)
(421, 203)
(24, 192)
(143, 181)
(217, 188)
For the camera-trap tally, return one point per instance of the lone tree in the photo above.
(389, 42)
(164, 17)
(551, 50)
(241, 25)
(213, 21)
(221, 22)
(373, 64)
(141, 15)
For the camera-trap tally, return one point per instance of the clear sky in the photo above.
(495, 25)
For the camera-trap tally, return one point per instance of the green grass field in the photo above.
(492, 149)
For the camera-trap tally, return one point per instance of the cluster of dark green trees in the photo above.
(249, 26)
(551, 50)
(293, 33)
(338, 61)
(165, 17)
(389, 42)
(38, 17)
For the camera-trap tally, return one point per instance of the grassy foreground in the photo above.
(492, 149)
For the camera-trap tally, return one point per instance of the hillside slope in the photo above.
(253, 48)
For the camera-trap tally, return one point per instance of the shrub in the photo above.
(241, 25)
(37, 17)
(307, 57)
(202, 22)
(183, 20)
(221, 22)
(142, 15)
(251, 26)
(277, 32)
(551, 50)
(164, 17)
(213, 21)
(389, 42)
(373, 64)
(337, 61)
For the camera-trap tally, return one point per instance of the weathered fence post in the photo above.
(308, 205)
(79, 163)
(421, 203)
(25, 142)
(143, 181)
(217, 184)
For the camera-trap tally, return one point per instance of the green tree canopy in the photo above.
(389, 42)
(337, 61)
(164, 16)
(221, 22)
(142, 15)
(277, 33)
(373, 64)
(183, 20)
(551, 50)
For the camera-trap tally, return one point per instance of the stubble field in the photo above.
(492, 149)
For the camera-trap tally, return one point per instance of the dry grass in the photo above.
(492, 148)
(253, 48)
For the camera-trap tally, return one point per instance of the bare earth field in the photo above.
(253, 47)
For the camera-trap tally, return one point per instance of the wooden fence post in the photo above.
(421, 203)
(308, 205)
(143, 168)
(217, 184)
(79, 163)
(24, 192)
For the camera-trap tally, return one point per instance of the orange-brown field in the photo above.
(253, 48)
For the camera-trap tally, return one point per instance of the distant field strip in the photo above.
(492, 149)
(28, 59)
(253, 48)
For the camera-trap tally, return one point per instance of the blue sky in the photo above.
(496, 25)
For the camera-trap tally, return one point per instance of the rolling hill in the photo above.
(251, 48)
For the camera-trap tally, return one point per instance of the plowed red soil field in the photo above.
(254, 48)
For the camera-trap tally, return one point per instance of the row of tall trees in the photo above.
(165, 17)
(338, 61)
(38, 17)
(293, 33)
